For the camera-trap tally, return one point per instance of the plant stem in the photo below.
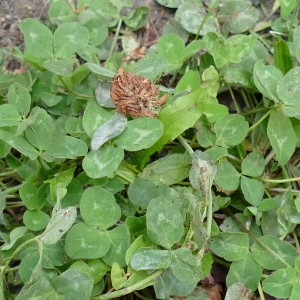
(280, 180)
(260, 291)
(115, 38)
(209, 216)
(128, 290)
(185, 144)
(207, 15)
(260, 120)
(70, 90)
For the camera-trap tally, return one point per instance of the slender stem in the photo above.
(282, 190)
(12, 189)
(260, 120)
(8, 173)
(209, 13)
(209, 216)
(280, 180)
(237, 107)
(70, 90)
(260, 291)
(130, 289)
(115, 38)
(185, 144)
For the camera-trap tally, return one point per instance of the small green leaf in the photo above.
(266, 79)
(19, 142)
(185, 266)
(267, 204)
(190, 82)
(141, 191)
(118, 276)
(171, 47)
(168, 170)
(253, 164)
(9, 115)
(150, 259)
(66, 147)
(61, 12)
(41, 131)
(231, 50)
(150, 66)
(20, 98)
(233, 246)
(107, 11)
(192, 48)
(100, 70)
(288, 91)
(103, 162)
(110, 129)
(38, 38)
(68, 38)
(167, 284)
(140, 134)
(238, 16)
(280, 283)
(61, 221)
(74, 284)
(39, 288)
(272, 253)
(246, 271)
(164, 222)
(137, 18)
(286, 7)
(99, 211)
(94, 116)
(231, 130)
(227, 178)
(282, 136)
(28, 194)
(282, 56)
(60, 66)
(86, 242)
(191, 14)
(120, 242)
(35, 220)
(178, 116)
(202, 173)
(253, 190)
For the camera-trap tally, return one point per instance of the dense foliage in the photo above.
(96, 204)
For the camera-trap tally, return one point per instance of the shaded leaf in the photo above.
(110, 129)
(150, 259)
(140, 134)
(164, 222)
(282, 136)
(103, 162)
(202, 173)
(233, 246)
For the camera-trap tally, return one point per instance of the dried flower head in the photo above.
(135, 95)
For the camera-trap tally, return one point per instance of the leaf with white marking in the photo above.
(282, 136)
(140, 134)
(110, 129)
(61, 221)
(103, 162)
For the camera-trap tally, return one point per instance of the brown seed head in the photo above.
(134, 95)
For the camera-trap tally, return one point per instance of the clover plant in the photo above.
(98, 205)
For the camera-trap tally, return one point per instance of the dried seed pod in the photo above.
(134, 95)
